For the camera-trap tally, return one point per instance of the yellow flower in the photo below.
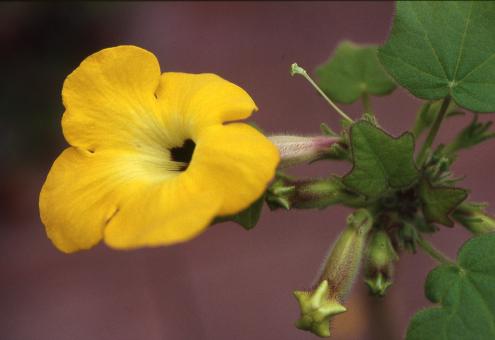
(151, 161)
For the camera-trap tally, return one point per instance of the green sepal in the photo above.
(473, 134)
(378, 284)
(439, 202)
(248, 218)
(326, 130)
(465, 293)
(381, 163)
(352, 72)
(317, 309)
(280, 192)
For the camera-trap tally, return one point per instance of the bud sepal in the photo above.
(317, 309)
(380, 260)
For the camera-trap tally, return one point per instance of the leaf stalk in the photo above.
(433, 131)
(434, 252)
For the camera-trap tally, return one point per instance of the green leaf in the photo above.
(381, 162)
(353, 71)
(466, 294)
(248, 218)
(441, 48)
(439, 202)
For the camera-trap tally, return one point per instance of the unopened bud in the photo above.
(474, 218)
(288, 193)
(379, 263)
(345, 257)
(298, 149)
(335, 281)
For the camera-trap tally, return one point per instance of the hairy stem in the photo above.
(433, 252)
(433, 131)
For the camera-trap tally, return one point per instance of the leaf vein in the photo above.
(431, 45)
(468, 21)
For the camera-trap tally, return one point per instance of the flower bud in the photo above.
(289, 193)
(474, 218)
(298, 149)
(379, 263)
(345, 257)
(338, 274)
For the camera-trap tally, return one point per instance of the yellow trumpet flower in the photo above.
(151, 159)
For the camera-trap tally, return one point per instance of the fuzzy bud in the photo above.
(298, 149)
(316, 193)
(474, 218)
(338, 274)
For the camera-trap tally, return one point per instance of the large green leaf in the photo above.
(353, 71)
(466, 294)
(440, 48)
(439, 202)
(381, 162)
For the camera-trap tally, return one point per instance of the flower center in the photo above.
(183, 154)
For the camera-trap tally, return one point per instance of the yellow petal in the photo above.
(125, 197)
(238, 160)
(110, 100)
(198, 100)
(175, 211)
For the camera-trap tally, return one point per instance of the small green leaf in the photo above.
(246, 218)
(439, 202)
(466, 294)
(353, 71)
(441, 48)
(381, 162)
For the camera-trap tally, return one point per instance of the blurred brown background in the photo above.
(228, 283)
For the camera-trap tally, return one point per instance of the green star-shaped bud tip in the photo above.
(378, 285)
(280, 193)
(317, 309)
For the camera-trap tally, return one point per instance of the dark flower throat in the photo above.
(183, 153)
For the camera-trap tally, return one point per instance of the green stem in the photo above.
(367, 103)
(433, 131)
(434, 252)
(296, 69)
(421, 122)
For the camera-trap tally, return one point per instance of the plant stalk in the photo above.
(434, 252)
(367, 103)
(433, 131)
